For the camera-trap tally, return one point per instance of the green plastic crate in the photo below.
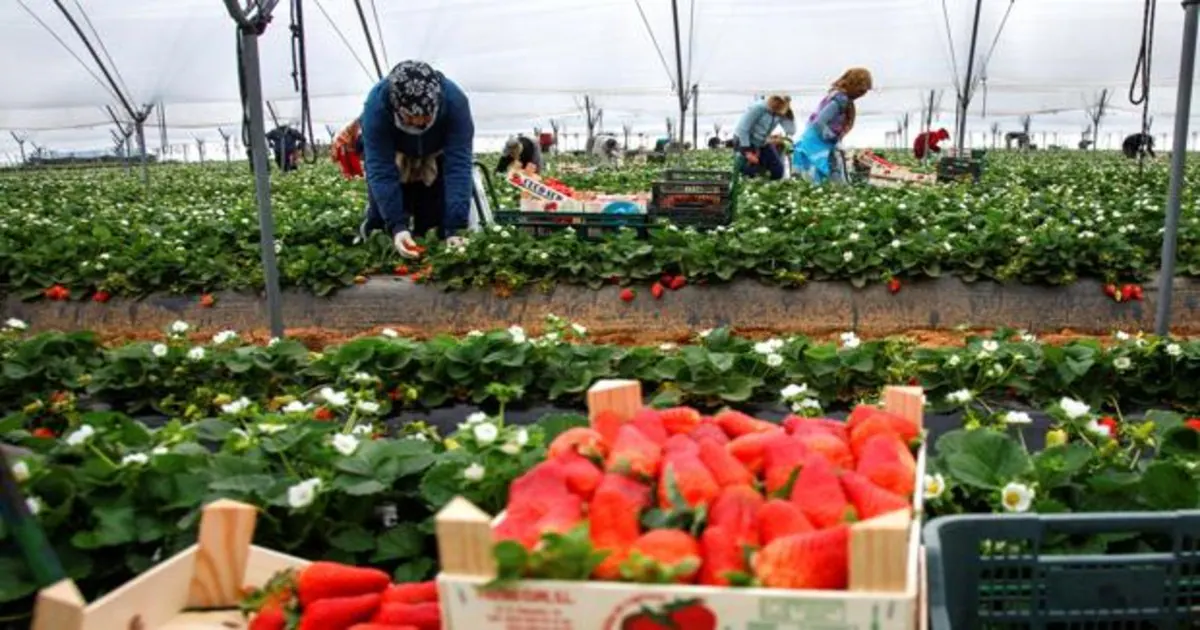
(1016, 584)
(588, 225)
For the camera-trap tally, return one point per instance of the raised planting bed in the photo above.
(818, 307)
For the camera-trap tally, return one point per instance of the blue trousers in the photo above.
(769, 163)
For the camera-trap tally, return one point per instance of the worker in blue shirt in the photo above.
(756, 153)
(418, 136)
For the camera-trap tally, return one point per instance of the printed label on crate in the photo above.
(535, 187)
(547, 605)
(692, 201)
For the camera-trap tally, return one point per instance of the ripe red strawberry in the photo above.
(869, 499)
(721, 555)
(781, 457)
(650, 423)
(736, 424)
(101, 296)
(693, 615)
(1194, 423)
(677, 283)
(339, 612)
(681, 444)
(607, 423)
(323, 414)
(737, 510)
(401, 270)
(269, 617)
(540, 501)
(827, 446)
(627, 295)
(812, 560)
(800, 426)
(666, 279)
(663, 555)
(1109, 423)
(44, 433)
(818, 493)
(413, 593)
(656, 290)
(634, 454)
(888, 463)
(1138, 293)
(867, 422)
(581, 440)
(690, 476)
(893, 286)
(711, 432)
(1111, 291)
(583, 476)
(207, 300)
(423, 616)
(614, 516)
(725, 468)
(678, 420)
(322, 580)
(750, 449)
(57, 293)
(779, 518)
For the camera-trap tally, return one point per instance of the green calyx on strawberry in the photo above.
(679, 514)
(566, 556)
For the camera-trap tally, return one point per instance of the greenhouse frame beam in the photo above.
(250, 26)
(1183, 104)
(964, 97)
(680, 89)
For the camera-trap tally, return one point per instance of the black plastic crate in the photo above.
(702, 199)
(586, 224)
(958, 169)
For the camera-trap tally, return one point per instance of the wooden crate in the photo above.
(197, 589)
(885, 572)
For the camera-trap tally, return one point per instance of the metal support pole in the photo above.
(262, 177)
(1183, 105)
(679, 86)
(964, 97)
(696, 117)
(140, 126)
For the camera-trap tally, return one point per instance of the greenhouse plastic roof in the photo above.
(525, 63)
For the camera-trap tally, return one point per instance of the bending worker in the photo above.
(519, 153)
(756, 153)
(928, 142)
(817, 154)
(417, 134)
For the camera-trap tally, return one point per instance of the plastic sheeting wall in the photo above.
(526, 63)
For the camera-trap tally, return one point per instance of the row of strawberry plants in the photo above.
(1046, 219)
(192, 377)
(115, 496)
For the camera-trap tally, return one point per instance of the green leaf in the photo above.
(1181, 441)
(358, 487)
(417, 570)
(988, 460)
(245, 485)
(554, 425)
(352, 538)
(1168, 486)
(115, 525)
(404, 541)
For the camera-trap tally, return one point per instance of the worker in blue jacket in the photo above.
(417, 134)
(756, 153)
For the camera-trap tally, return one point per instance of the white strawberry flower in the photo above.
(474, 472)
(34, 505)
(485, 433)
(80, 435)
(1174, 350)
(774, 360)
(1073, 409)
(159, 350)
(1121, 335)
(135, 459)
(579, 329)
(935, 486)
(1017, 497)
(960, 397)
(20, 472)
(362, 377)
(847, 256)
(197, 354)
(474, 334)
(302, 494)
(517, 333)
(367, 406)
(1122, 363)
(990, 345)
(179, 327)
(13, 323)
(1017, 417)
(236, 407)
(345, 444)
(225, 336)
(793, 391)
(297, 406)
(389, 333)
(850, 340)
(476, 418)
(334, 398)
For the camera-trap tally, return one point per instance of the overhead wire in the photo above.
(379, 33)
(1141, 72)
(987, 59)
(104, 49)
(345, 41)
(950, 43)
(661, 57)
(107, 88)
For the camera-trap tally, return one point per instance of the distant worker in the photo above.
(287, 144)
(347, 151)
(608, 149)
(818, 154)
(1136, 143)
(714, 142)
(519, 153)
(756, 153)
(546, 141)
(418, 134)
(928, 143)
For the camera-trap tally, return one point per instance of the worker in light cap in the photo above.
(417, 134)
(519, 153)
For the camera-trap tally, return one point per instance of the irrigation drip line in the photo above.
(1141, 75)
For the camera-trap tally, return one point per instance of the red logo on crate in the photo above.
(699, 202)
(655, 612)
